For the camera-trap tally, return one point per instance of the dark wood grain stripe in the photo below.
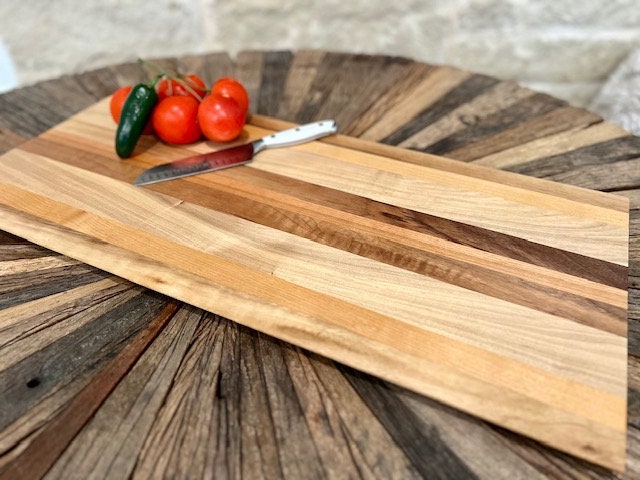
(274, 75)
(351, 97)
(603, 153)
(72, 355)
(507, 118)
(463, 93)
(426, 449)
(124, 336)
(42, 284)
(326, 77)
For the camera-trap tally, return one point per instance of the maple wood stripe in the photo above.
(602, 153)
(592, 269)
(467, 90)
(520, 112)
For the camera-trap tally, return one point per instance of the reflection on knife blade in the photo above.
(234, 156)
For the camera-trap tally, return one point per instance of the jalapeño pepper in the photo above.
(136, 112)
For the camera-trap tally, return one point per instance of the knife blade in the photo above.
(235, 156)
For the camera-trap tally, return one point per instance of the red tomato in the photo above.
(117, 102)
(175, 120)
(221, 118)
(171, 87)
(230, 87)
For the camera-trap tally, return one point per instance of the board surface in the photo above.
(502, 295)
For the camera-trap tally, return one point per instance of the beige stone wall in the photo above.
(566, 47)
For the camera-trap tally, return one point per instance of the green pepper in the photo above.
(136, 112)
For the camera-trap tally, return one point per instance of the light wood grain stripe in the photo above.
(94, 122)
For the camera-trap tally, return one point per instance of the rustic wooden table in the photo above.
(112, 380)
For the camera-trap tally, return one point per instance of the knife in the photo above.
(234, 156)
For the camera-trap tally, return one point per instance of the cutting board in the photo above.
(498, 294)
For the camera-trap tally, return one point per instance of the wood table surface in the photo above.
(107, 379)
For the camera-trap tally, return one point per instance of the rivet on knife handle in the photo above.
(234, 156)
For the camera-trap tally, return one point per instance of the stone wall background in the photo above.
(565, 47)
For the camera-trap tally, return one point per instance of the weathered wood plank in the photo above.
(28, 381)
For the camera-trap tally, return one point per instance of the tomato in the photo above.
(175, 120)
(171, 87)
(221, 118)
(230, 87)
(116, 103)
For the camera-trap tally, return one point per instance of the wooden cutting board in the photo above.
(499, 294)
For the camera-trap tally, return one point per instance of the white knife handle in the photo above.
(301, 134)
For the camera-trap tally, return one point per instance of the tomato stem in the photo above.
(176, 76)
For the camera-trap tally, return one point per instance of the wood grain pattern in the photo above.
(314, 418)
(324, 272)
